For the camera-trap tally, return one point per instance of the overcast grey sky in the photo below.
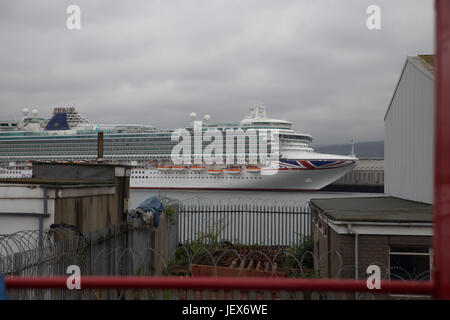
(311, 62)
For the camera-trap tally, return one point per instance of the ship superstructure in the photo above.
(67, 136)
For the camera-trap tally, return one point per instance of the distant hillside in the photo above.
(369, 149)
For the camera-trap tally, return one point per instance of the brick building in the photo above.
(351, 234)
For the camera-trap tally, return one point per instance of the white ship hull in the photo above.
(283, 180)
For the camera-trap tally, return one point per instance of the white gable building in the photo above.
(409, 133)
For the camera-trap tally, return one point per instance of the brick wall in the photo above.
(335, 253)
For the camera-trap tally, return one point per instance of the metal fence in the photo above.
(130, 250)
(225, 236)
(249, 224)
(127, 249)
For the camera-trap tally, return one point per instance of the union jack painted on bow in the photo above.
(313, 164)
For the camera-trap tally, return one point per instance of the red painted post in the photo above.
(441, 205)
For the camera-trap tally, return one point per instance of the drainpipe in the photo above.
(350, 231)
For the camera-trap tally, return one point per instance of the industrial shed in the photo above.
(366, 176)
(87, 196)
(409, 132)
(349, 234)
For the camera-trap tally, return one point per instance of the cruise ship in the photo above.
(67, 136)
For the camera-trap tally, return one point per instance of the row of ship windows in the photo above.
(77, 156)
(77, 152)
(89, 144)
(91, 149)
(85, 150)
(226, 177)
(13, 172)
(33, 136)
(69, 148)
(106, 143)
(126, 150)
(166, 172)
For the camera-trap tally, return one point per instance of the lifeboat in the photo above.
(214, 171)
(197, 168)
(233, 170)
(253, 169)
(162, 168)
(178, 168)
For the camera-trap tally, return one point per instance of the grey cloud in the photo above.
(311, 62)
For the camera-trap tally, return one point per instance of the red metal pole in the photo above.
(441, 205)
(211, 283)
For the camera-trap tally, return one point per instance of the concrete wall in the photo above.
(96, 201)
(24, 198)
(88, 208)
(409, 136)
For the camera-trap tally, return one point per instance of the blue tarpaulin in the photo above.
(153, 205)
(2, 288)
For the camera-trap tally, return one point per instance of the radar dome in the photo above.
(34, 113)
(193, 115)
(206, 117)
(25, 111)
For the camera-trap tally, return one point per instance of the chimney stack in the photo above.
(100, 146)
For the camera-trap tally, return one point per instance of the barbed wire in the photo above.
(128, 249)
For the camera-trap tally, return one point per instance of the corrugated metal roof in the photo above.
(57, 182)
(374, 209)
(369, 164)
